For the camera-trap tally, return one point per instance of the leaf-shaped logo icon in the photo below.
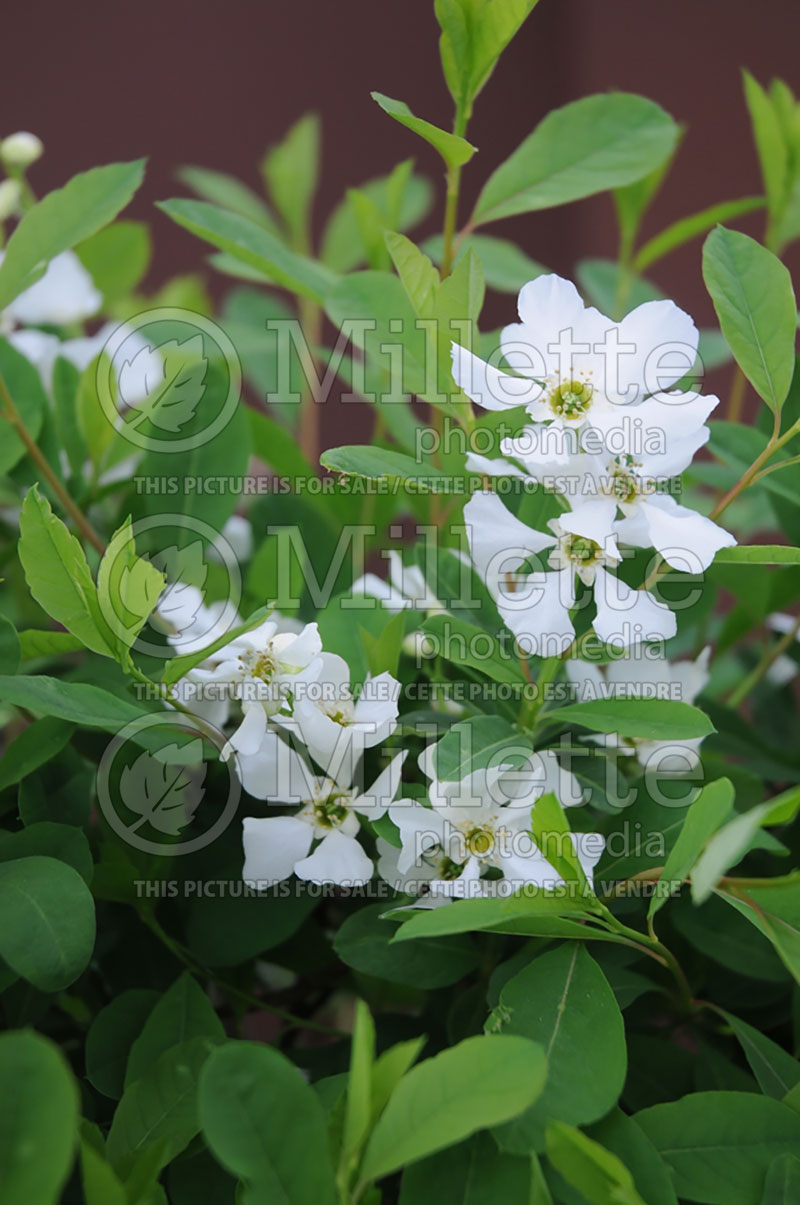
(161, 790)
(176, 394)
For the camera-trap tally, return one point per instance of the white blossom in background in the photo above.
(645, 674)
(406, 587)
(318, 843)
(65, 294)
(581, 545)
(481, 823)
(578, 369)
(20, 150)
(783, 668)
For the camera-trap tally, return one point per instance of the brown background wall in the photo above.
(213, 83)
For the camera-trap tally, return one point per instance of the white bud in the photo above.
(21, 150)
(10, 193)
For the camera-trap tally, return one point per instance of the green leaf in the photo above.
(593, 144)
(454, 150)
(63, 218)
(474, 35)
(128, 587)
(47, 924)
(358, 1109)
(58, 576)
(176, 667)
(253, 245)
(111, 1035)
(685, 229)
(382, 462)
(776, 1071)
(466, 644)
(93, 424)
(550, 827)
(389, 1068)
(364, 942)
(10, 650)
(472, 1173)
(562, 999)
(266, 1126)
(39, 1105)
(645, 719)
(758, 554)
(619, 1133)
(116, 258)
(754, 300)
(229, 930)
(770, 144)
(228, 193)
(589, 1167)
(729, 845)
(183, 1012)
(473, 744)
(402, 198)
(290, 172)
(482, 1081)
(420, 278)
(36, 643)
(25, 388)
(775, 911)
(466, 916)
(505, 267)
(34, 746)
(101, 1185)
(78, 702)
(160, 1107)
(50, 839)
(782, 1183)
(719, 1145)
(704, 817)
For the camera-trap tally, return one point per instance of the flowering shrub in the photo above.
(411, 820)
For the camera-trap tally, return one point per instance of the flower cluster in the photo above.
(611, 437)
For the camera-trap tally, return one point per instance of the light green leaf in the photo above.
(589, 1167)
(39, 1111)
(58, 576)
(645, 719)
(389, 1068)
(116, 258)
(550, 827)
(474, 35)
(77, 702)
(290, 172)
(619, 1133)
(454, 150)
(265, 1125)
(505, 266)
(754, 300)
(359, 1107)
(253, 245)
(466, 644)
(685, 229)
(229, 193)
(704, 817)
(729, 845)
(63, 218)
(480, 1082)
(47, 924)
(758, 554)
(593, 144)
(563, 1001)
(719, 1145)
(473, 744)
(401, 197)
(420, 278)
(770, 143)
(375, 462)
(128, 587)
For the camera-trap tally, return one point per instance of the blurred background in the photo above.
(215, 83)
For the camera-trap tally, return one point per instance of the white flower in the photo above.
(261, 669)
(406, 587)
(578, 368)
(335, 725)
(277, 846)
(64, 294)
(44, 349)
(21, 149)
(783, 668)
(479, 824)
(536, 605)
(645, 674)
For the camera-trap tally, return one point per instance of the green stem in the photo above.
(13, 416)
(771, 655)
(451, 202)
(183, 955)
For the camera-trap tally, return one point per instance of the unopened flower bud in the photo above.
(10, 193)
(21, 149)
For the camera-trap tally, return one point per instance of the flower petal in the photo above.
(272, 846)
(626, 617)
(337, 859)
